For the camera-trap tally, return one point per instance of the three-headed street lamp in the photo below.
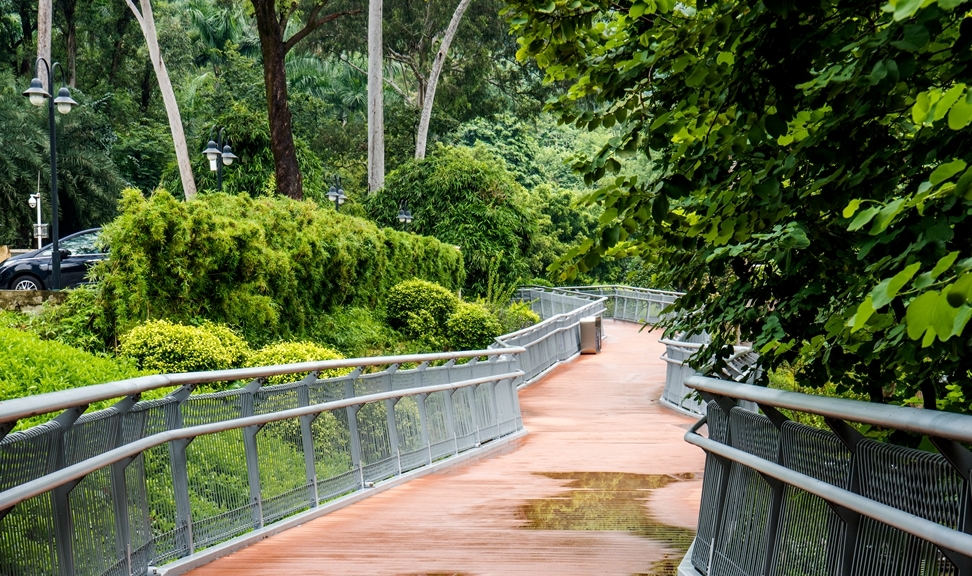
(64, 103)
(219, 154)
(404, 214)
(336, 193)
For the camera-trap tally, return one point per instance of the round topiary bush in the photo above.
(472, 327)
(163, 347)
(291, 353)
(418, 299)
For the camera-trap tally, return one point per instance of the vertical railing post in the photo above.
(470, 393)
(851, 438)
(390, 416)
(354, 436)
(60, 497)
(960, 458)
(307, 438)
(722, 492)
(776, 505)
(424, 423)
(251, 453)
(180, 472)
(119, 488)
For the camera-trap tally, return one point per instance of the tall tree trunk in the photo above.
(287, 172)
(423, 130)
(44, 10)
(376, 101)
(71, 24)
(146, 20)
(121, 26)
(27, 31)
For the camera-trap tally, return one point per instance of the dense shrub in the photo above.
(516, 316)
(414, 304)
(29, 365)
(163, 347)
(79, 321)
(463, 197)
(266, 265)
(472, 327)
(291, 353)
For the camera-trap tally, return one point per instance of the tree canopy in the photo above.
(814, 178)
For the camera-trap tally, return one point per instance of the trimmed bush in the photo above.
(163, 347)
(472, 327)
(418, 306)
(268, 266)
(291, 353)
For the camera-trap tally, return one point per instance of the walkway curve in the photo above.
(597, 414)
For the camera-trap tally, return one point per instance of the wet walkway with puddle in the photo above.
(602, 485)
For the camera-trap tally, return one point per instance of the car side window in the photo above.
(83, 244)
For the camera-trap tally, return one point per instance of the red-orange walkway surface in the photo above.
(595, 414)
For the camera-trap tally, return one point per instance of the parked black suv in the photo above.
(32, 271)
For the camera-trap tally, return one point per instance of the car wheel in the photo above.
(27, 282)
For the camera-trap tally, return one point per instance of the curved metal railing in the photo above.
(146, 482)
(780, 497)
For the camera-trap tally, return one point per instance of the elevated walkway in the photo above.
(602, 484)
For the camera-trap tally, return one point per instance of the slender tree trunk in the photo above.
(27, 31)
(146, 20)
(287, 172)
(376, 101)
(422, 135)
(70, 7)
(121, 26)
(44, 10)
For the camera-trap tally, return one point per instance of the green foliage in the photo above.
(79, 321)
(29, 365)
(420, 308)
(159, 346)
(462, 197)
(267, 266)
(472, 327)
(88, 183)
(814, 179)
(516, 316)
(291, 353)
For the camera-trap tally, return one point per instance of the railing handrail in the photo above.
(552, 320)
(27, 406)
(48, 482)
(931, 422)
(933, 532)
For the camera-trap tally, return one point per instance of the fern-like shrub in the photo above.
(472, 327)
(268, 266)
(292, 353)
(164, 347)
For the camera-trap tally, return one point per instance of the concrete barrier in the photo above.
(29, 301)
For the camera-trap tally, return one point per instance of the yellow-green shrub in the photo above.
(291, 353)
(516, 316)
(472, 327)
(418, 307)
(164, 347)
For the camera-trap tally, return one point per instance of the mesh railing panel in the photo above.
(187, 495)
(914, 481)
